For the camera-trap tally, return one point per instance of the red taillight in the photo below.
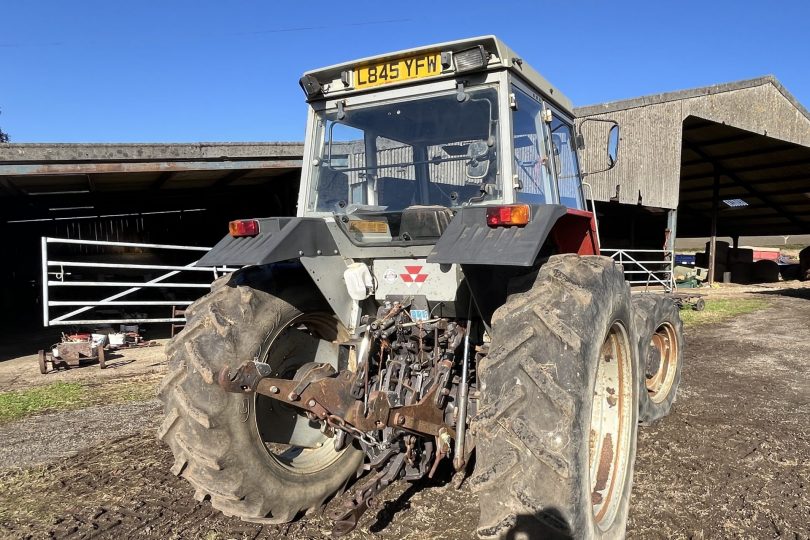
(243, 227)
(506, 216)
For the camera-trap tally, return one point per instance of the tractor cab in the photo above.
(396, 144)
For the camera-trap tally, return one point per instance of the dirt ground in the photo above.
(731, 461)
(18, 363)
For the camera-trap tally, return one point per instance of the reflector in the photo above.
(509, 215)
(243, 227)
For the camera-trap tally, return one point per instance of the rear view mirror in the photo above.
(601, 133)
(478, 164)
(613, 145)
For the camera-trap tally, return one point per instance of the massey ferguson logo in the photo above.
(414, 275)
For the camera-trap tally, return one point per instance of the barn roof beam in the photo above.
(231, 177)
(161, 180)
(744, 154)
(764, 197)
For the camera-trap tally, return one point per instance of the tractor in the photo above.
(438, 296)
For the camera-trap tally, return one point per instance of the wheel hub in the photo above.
(662, 362)
(300, 351)
(653, 361)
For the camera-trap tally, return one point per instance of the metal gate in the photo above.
(648, 267)
(136, 280)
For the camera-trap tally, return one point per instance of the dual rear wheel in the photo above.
(556, 429)
(660, 344)
(562, 390)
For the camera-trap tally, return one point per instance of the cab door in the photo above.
(561, 140)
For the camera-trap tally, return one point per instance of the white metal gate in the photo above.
(648, 267)
(57, 275)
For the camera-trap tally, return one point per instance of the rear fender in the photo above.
(493, 256)
(279, 239)
(306, 241)
(468, 240)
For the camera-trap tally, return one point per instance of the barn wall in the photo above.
(652, 134)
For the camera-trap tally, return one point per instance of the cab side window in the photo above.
(566, 164)
(530, 161)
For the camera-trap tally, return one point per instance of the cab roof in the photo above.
(337, 80)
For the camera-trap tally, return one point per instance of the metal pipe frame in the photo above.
(113, 321)
(76, 264)
(158, 282)
(122, 244)
(125, 284)
(625, 257)
(133, 303)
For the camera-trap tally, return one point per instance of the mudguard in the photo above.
(469, 240)
(279, 239)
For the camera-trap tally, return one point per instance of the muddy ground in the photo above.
(731, 461)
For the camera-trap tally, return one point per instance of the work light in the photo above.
(470, 59)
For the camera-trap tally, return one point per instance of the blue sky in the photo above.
(181, 71)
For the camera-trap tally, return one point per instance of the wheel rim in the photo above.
(664, 348)
(611, 425)
(278, 425)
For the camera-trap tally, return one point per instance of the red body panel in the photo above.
(575, 232)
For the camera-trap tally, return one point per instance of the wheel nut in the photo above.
(274, 389)
(312, 402)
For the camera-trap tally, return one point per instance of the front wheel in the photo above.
(254, 457)
(556, 431)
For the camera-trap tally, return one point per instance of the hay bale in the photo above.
(789, 272)
(719, 270)
(765, 271)
(742, 273)
(804, 264)
(722, 251)
(744, 255)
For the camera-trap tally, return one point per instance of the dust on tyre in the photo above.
(660, 343)
(217, 437)
(556, 431)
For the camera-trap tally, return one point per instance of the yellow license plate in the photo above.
(404, 69)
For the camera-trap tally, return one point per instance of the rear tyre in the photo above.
(556, 431)
(229, 446)
(660, 345)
